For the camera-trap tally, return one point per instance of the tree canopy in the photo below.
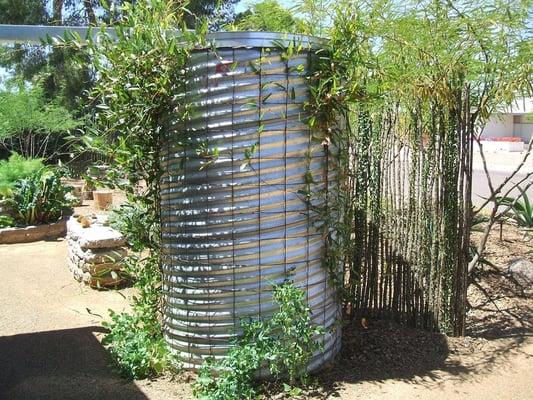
(267, 15)
(61, 78)
(26, 110)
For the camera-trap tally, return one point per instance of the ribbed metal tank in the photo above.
(235, 220)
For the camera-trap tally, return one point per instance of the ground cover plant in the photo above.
(136, 345)
(283, 344)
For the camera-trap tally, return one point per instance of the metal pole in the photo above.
(35, 34)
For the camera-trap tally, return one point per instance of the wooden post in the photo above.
(103, 199)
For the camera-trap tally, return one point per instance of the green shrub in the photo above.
(135, 341)
(15, 168)
(136, 344)
(41, 198)
(131, 220)
(284, 344)
(33, 125)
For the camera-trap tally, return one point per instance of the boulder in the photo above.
(522, 272)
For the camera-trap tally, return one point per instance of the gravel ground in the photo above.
(50, 332)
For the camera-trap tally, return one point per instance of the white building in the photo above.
(517, 122)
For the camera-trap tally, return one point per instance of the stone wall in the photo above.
(95, 252)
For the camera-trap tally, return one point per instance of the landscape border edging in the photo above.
(33, 233)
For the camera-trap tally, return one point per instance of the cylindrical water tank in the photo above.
(235, 212)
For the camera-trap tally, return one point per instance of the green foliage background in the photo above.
(32, 126)
(14, 169)
(25, 110)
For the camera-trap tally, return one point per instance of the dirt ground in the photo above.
(50, 336)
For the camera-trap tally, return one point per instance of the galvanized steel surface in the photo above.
(235, 216)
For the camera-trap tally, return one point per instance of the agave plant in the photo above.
(41, 198)
(520, 208)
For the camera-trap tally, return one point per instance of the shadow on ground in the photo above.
(500, 321)
(61, 364)
(500, 306)
(386, 350)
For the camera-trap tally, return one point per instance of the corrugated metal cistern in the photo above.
(235, 216)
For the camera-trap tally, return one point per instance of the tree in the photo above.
(61, 78)
(31, 126)
(219, 12)
(268, 15)
(28, 12)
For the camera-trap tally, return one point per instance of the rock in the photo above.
(522, 272)
(94, 237)
(97, 256)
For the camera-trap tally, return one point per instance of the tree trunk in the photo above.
(89, 10)
(58, 12)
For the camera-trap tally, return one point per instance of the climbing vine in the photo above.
(141, 82)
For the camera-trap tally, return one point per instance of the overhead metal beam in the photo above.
(34, 34)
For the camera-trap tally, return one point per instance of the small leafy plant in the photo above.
(284, 344)
(41, 198)
(6, 220)
(130, 219)
(520, 208)
(135, 340)
(136, 345)
(14, 169)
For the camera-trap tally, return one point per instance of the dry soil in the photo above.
(50, 332)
